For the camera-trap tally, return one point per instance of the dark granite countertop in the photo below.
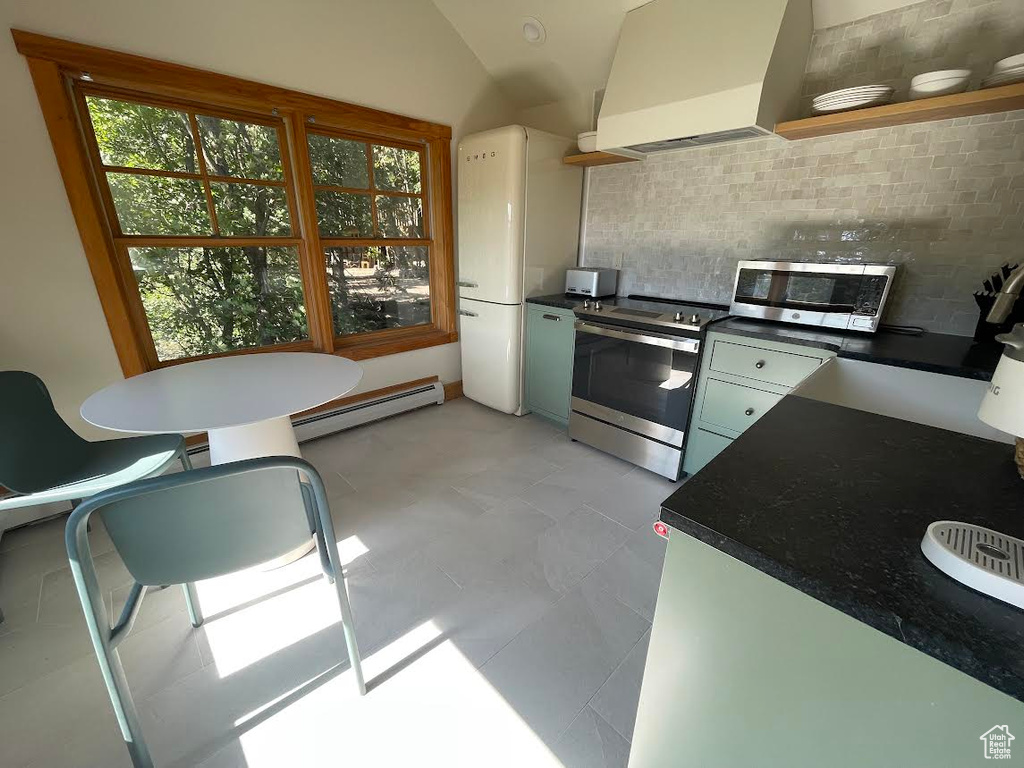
(934, 352)
(560, 300)
(834, 502)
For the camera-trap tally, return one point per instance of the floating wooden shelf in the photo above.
(1001, 99)
(587, 159)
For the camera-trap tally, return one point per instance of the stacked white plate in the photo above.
(853, 98)
(1009, 70)
(1010, 62)
(939, 83)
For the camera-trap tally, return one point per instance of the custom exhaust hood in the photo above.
(694, 72)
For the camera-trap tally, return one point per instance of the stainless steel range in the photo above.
(634, 370)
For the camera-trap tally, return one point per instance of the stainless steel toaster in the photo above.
(595, 282)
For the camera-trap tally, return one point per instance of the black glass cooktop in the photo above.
(646, 310)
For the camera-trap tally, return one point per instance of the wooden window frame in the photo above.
(62, 71)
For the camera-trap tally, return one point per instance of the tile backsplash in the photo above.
(943, 200)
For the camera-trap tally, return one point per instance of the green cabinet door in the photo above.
(549, 345)
(701, 447)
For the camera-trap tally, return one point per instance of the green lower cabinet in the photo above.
(740, 380)
(744, 671)
(735, 406)
(701, 448)
(549, 348)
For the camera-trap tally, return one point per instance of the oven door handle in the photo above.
(684, 345)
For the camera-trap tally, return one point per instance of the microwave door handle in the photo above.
(683, 345)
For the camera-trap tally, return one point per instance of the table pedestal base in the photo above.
(273, 437)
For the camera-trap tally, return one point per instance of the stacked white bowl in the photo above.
(587, 141)
(939, 83)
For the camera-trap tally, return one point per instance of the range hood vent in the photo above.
(688, 73)
(719, 137)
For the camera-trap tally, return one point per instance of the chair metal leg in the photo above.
(105, 639)
(195, 614)
(335, 575)
(349, 627)
(124, 705)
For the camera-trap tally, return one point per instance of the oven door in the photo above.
(637, 380)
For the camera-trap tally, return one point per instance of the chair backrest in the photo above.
(38, 449)
(208, 522)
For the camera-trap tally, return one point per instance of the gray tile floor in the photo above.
(503, 580)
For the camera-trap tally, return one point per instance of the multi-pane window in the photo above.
(369, 206)
(236, 228)
(202, 209)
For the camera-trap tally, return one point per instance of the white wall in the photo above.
(397, 55)
(567, 117)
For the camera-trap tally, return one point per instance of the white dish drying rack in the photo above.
(983, 559)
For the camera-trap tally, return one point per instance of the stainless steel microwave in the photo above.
(841, 296)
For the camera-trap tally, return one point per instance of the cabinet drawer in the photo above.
(786, 369)
(733, 406)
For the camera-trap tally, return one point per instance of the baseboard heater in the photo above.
(353, 415)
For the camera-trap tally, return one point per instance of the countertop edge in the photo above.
(554, 300)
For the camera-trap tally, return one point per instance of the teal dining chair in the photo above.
(198, 525)
(43, 460)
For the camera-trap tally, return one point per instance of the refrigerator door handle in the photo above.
(467, 313)
(467, 284)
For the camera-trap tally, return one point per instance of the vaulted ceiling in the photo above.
(576, 57)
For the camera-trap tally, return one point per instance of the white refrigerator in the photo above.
(519, 216)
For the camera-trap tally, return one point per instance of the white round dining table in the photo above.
(243, 402)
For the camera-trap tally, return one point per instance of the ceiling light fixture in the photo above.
(533, 31)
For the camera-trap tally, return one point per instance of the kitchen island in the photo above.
(798, 623)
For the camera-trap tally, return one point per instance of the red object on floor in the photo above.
(661, 529)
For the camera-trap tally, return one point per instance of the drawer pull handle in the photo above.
(759, 364)
(749, 411)
(556, 318)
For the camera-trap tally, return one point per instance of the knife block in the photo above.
(986, 331)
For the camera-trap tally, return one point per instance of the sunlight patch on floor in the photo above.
(437, 710)
(255, 613)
